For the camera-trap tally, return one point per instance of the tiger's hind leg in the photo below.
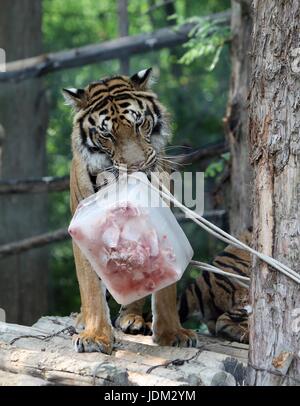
(131, 321)
(233, 325)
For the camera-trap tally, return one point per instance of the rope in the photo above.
(216, 231)
(214, 269)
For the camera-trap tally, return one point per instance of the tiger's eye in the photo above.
(93, 131)
(140, 121)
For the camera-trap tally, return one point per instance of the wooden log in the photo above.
(198, 154)
(209, 344)
(55, 361)
(11, 379)
(61, 369)
(33, 242)
(113, 49)
(144, 344)
(38, 185)
(141, 379)
(61, 345)
(53, 369)
(140, 343)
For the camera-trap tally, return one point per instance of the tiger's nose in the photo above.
(133, 154)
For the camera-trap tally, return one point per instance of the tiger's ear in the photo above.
(142, 79)
(76, 98)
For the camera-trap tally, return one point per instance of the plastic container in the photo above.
(131, 238)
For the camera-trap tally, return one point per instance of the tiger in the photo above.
(220, 302)
(118, 121)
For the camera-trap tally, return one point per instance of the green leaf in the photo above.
(206, 41)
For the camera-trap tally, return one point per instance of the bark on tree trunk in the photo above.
(275, 153)
(23, 116)
(236, 120)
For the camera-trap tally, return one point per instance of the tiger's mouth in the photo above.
(124, 168)
(141, 166)
(110, 174)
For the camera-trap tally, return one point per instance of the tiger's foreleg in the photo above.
(166, 326)
(98, 333)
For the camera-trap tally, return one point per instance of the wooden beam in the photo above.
(46, 184)
(15, 248)
(209, 151)
(113, 49)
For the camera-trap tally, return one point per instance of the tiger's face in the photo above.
(118, 121)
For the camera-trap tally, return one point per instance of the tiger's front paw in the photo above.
(91, 342)
(133, 324)
(234, 326)
(180, 337)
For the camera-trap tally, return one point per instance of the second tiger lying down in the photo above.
(218, 301)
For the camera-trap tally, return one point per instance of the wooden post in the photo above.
(23, 117)
(236, 120)
(275, 153)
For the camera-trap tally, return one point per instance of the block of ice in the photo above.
(136, 249)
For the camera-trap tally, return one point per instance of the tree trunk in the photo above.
(175, 53)
(23, 117)
(236, 120)
(123, 23)
(275, 153)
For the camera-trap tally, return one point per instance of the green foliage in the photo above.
(207, 39)
(217, 166)
(195, 97)
(63, 283)
(73, 23)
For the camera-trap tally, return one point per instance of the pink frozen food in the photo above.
(135, 249)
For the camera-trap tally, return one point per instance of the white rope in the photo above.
(214, 269)
(218, 232)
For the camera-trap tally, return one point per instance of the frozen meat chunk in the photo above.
(111, 235)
